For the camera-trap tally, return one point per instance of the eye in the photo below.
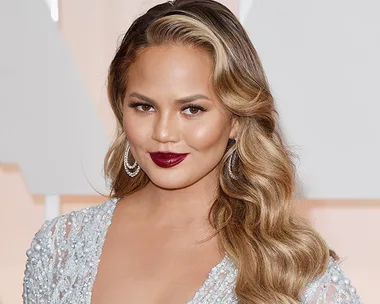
(142, 107)
(193, 110)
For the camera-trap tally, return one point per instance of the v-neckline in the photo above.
(214, 270)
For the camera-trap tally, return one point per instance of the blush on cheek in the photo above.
(135, 130)
(206, 136)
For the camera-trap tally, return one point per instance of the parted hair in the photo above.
(275, 251)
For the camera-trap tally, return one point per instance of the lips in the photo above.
(167, 159)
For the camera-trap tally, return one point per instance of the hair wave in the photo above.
(276, 252)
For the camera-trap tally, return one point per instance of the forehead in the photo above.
(176, 70)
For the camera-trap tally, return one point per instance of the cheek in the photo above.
(207, 135)
(135, 131)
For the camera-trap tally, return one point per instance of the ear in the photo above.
(234, 127)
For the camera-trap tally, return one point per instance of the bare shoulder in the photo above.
(332, 287)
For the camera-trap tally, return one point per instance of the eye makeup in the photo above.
(193, 106)
(148, 106)
(139, 104)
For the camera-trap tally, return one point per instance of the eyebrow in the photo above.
(180, 100)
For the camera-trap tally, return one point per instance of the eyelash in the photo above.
(189, 106)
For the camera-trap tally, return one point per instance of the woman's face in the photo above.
(170, 106)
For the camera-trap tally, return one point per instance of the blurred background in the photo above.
(322, 62)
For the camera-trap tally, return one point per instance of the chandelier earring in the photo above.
(232, 160)
(132, 170)
(231, 165)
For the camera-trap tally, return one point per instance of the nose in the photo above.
(165, 128)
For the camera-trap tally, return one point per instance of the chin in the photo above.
(171, 181)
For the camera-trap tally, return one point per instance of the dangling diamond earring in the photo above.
(129, 167)
(231, 162)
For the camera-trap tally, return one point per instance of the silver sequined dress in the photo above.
(64, 256)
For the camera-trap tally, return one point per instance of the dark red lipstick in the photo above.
(167, 159)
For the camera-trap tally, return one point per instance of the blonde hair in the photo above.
(276, 253)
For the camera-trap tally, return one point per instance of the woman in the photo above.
(202, 184)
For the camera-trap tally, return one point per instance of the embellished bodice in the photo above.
(65, 253)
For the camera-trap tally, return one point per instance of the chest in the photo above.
(151, 269)
(86, 280)
(90, 264)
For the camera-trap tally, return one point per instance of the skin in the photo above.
(154, 241)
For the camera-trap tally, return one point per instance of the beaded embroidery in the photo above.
(65, 253)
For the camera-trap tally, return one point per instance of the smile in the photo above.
(167, 159)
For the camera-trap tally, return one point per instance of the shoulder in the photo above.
(58, 241)
(70, 224)
(332, 287)
(74, 221)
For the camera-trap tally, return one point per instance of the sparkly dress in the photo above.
(64, 256)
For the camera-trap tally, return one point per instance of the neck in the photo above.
(185, 207)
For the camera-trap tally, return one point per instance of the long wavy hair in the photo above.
(276, 253)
